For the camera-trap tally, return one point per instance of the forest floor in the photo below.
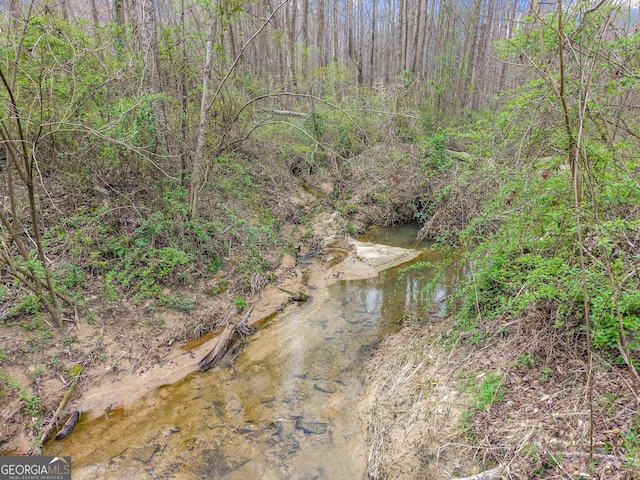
(437, 404)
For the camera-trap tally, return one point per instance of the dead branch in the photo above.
(224, 341)
(68, 426)
(493, 474)
(288, 113)
(54, 419)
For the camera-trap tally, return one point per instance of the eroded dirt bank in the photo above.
(412, 409)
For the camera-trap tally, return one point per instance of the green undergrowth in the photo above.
(530, 257)
(120, 249)
(168, 250)
(486, 390)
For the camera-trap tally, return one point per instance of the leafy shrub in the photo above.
(435, 159)
(142, 271)
(179, 302)
(532, 260)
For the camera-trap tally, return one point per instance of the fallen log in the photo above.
(68, 426)
(224, 341)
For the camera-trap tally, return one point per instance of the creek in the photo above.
(285, 405)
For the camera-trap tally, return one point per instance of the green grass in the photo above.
(490, 392)
(32, 403)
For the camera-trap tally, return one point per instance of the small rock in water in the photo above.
(234, 406)
(324, 387)
(311, 426)
(245, 430)
(277, 427)
(145, 453)
(293, 399)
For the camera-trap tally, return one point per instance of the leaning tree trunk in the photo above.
(20, 157)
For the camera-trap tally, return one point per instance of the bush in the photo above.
(532, 260)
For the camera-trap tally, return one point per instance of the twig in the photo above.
(493, 474)
(601, 456)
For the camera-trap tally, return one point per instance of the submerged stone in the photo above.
(312, 426)
(324, 387)
(145, 453)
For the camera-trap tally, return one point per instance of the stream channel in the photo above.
(286, 406)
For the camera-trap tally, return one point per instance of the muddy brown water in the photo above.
(285, 407)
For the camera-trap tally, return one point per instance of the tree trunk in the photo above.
(361, 43)
(469, 62)
(306, 40)
(94, 13)
(390, 42)
(416, 37)
(14, 9)
(184, 97)
(352, 48)
(118, 13)
(429, 46)
(422, 33)
(291, 42)
(320, 39)
(65, 10)
(402, 31)
(336, 43)
(149, 44)
(372, 52)
(336, 50)
(198, 161)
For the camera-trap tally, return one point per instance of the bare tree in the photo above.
(149, 44)
(20, 156)
(372, 52)
(207, 101)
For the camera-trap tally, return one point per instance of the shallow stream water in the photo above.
(286, 406)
